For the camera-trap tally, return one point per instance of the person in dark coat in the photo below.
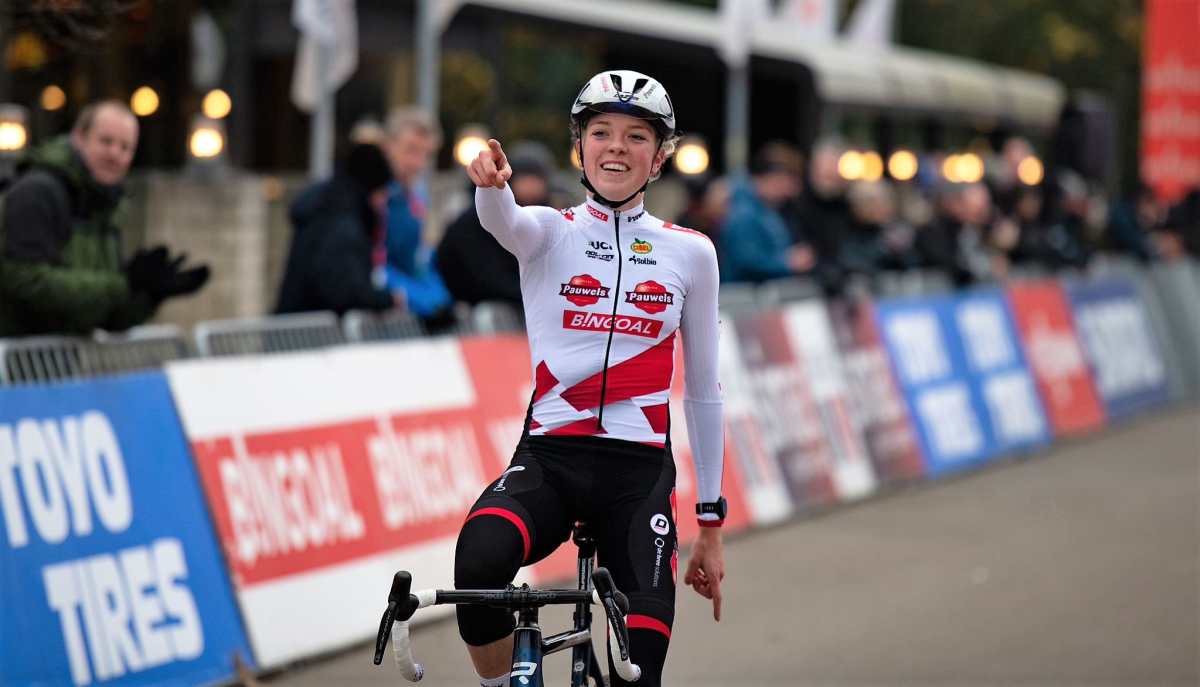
(61, 228)
(473, 264)
(957, 239)
(330, 265)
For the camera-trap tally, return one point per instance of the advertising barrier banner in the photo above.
(811, 335)
(788, 418)
(876, 405)
(326, 472)
(964, 375)
(1119, 346)
(1043, 318)
(110, 567)
(764, 485)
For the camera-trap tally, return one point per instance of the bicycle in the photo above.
(594, 587)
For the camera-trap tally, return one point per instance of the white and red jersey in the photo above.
(608, 295)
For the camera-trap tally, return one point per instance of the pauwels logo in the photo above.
(584, 290)
(650, 296)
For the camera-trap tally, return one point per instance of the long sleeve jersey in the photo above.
(608, 295)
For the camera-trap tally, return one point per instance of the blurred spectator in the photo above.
(475, 266)
(825, 213)
(367, 130)
(877, 239)
(329, 264)
(1024, 235)
(1002, 178)
(755, 241)
(956, 240)
(60, 270)
(1181, 235)
(1067, 237)
(1134, 222)
(413, 138)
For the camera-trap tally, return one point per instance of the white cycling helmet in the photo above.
(626, 92)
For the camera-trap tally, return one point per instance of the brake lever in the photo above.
(401, 606)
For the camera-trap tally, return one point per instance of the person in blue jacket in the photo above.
(412, 138)
(756, 243)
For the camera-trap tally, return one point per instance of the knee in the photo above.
(489, 552)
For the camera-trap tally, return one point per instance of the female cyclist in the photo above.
(608, 291)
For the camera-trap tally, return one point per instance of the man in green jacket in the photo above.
(60, 237)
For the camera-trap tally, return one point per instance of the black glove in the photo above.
(155, 274)
(186, 281)
(146, 269)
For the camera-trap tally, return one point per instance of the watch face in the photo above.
(719, 507)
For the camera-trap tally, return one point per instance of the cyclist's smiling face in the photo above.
(619, 154)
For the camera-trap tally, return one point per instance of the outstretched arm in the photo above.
(704, 411)
(525, 232)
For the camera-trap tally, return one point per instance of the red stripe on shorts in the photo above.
(511, 517)
(647, 623)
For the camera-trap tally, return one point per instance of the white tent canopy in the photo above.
(892, 78)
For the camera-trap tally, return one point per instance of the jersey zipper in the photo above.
(612, 325)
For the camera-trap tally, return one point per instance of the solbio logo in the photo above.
(640, 247)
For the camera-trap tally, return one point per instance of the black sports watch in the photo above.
(720, 507)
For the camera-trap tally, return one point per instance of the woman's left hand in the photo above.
(706, 567)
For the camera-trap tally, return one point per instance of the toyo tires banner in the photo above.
(963, 372)
(110, 568)
(1120, 346)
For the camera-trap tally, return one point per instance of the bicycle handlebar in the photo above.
(402, 605)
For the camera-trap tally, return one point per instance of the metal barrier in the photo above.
(40, 359)
(362, 326)
(920, 282)
(53, 358)
(788, 290)
(493, 317)
(275, 334)
(739, 298)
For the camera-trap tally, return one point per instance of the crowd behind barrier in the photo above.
(301, 482)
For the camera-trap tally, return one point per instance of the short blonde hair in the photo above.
(413, 117)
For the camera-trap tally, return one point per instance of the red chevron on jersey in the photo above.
(583, 428)
(656, 415)
(544, 381)
(645, 373)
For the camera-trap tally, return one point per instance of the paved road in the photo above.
(1076, 567)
